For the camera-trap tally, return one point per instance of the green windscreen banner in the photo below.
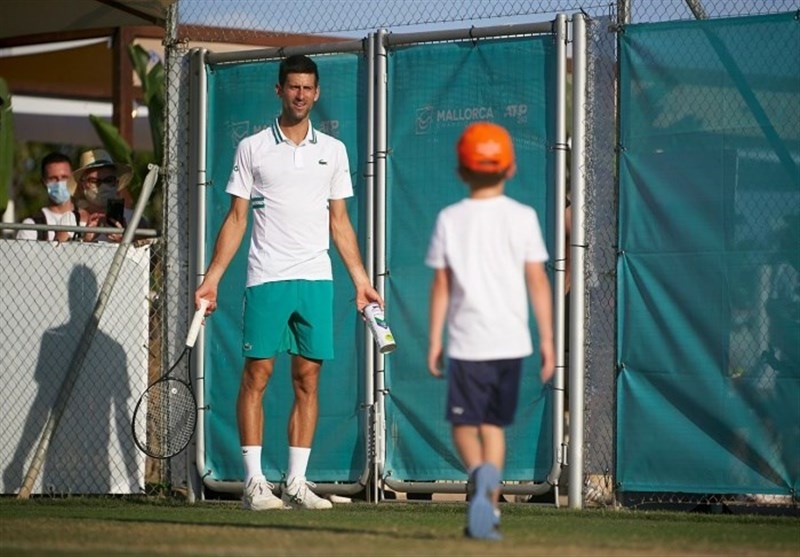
(708, 391)
(241, 101)
(435, 91)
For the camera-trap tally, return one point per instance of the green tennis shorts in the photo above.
(294, 316)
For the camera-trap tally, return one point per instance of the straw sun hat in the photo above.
(99, 158)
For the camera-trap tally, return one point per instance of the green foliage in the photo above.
(152, 78)
(153, 81)
(116, 146)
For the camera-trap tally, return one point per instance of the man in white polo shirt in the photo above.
(295, 180)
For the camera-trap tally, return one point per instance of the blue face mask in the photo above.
(58, 192)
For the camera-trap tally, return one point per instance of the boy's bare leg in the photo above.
(479, 444)
(494, 450)
(467, 440)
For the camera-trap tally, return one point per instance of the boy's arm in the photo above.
(542, 301)
(440, 297)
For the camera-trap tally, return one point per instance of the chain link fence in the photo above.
(726, 122)
(162, 301)
(59, 347)
(355, 19)
(235, 18)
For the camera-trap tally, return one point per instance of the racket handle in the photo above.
(197, 321)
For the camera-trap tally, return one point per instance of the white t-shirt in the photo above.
(485, 243)
(59, 219)
(289, 187)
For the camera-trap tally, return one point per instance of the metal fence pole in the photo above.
(380, 238)
(577, 252)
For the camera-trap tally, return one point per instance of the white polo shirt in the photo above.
(289, 187)
(485, 244)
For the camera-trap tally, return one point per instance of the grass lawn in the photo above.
(106, 526)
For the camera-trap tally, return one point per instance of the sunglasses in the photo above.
(108, 181)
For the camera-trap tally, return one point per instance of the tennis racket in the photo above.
(166, 414)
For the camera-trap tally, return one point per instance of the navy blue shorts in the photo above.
(483, 392)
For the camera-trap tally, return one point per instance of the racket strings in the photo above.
(165, 418)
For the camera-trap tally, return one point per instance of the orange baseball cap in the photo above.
(485, 147)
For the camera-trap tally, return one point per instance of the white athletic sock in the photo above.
(298, 462)
(251, 454)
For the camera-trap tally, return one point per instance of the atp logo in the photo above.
(518, 112)
(330, 127)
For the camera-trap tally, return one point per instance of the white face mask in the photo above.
(58, 192)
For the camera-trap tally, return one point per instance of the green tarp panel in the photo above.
(708, 391)
(242, 100)
(435, 90)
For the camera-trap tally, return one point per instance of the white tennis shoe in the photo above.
(297, 494)
(258, 496)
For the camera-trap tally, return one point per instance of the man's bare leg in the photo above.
(249, 405)
(303, 418)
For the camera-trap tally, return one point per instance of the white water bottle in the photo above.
(379, 328)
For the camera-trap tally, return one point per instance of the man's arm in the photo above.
(228, 242)
(344, 238)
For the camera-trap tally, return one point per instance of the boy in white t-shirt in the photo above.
(488, 258)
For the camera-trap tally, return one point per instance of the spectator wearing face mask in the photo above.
(56, 170)
(102, 183)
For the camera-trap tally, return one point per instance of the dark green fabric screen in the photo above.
(708, 293)
(242, 100)
(435, 91)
